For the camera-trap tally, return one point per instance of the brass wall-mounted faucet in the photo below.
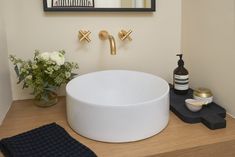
(123, 35)
(104, 35)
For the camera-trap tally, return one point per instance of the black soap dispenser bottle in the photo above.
(181, 78)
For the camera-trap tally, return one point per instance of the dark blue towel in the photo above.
(47, 141)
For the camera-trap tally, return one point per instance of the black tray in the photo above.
(211, 115)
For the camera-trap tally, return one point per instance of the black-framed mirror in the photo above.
(100, 5)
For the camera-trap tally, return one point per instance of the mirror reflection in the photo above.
(123, 4)
(100, 3)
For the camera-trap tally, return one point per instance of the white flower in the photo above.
(26, 66)
(56, 67)
(57, 57)
(67, 75)
(12, 58)
(34, 66)
(44, 56)
(29, 77)
(50, 69)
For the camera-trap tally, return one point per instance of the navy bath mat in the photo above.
(47, 141)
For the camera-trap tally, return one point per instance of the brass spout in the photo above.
(104, 35)
(112, 45)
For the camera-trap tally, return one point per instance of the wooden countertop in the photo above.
(178, 139)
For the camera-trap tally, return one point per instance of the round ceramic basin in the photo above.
(117, 105)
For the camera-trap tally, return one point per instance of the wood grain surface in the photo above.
(179, 139)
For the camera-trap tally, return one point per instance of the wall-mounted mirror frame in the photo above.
(152, 8)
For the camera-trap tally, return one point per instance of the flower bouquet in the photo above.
(44, 74)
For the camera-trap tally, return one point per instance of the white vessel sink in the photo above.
(117, 105)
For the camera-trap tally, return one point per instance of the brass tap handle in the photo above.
(84, 35)
(123, 35)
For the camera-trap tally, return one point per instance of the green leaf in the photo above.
(21, 78)
(73, 75)
(45, 84)
(51, 86)
(25, 85)
(17, 71)
(51, 89)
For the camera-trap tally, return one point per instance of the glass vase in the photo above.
(50, 99)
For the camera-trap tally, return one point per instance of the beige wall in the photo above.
(5, 84)
(208, 41)
(156, 37)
